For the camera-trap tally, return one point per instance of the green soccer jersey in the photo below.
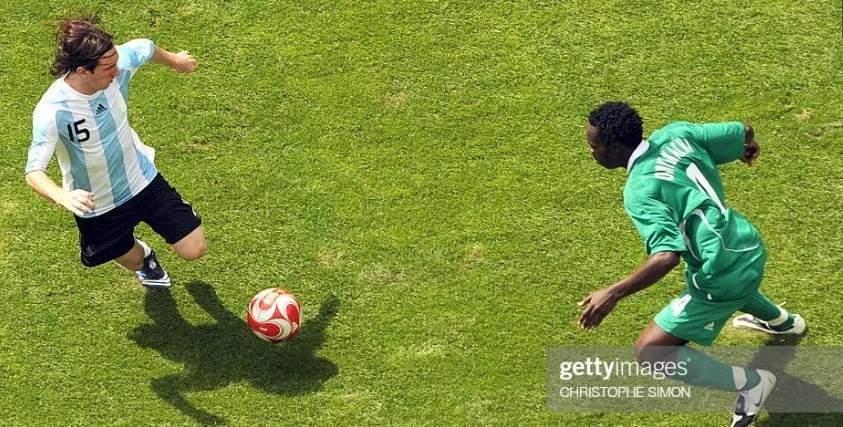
(675, 198)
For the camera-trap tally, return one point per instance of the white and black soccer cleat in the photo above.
(749, 402)
(751, 322)
(152, 275)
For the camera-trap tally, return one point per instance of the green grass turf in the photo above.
(424, 163)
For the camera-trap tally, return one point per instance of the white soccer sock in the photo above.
(739, 376)
(146, 249)
(783, 316)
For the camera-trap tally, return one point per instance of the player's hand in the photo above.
(184, 63)
(750, 152)
(598, 305)
(78, 201)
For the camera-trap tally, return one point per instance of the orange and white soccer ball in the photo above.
(274, 315)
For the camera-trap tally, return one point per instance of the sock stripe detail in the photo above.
(783, 316)
(739, 376)
(146, 249)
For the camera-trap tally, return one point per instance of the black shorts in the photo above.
(108, 236)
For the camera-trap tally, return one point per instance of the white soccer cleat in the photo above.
(749, 402)
(751, 322)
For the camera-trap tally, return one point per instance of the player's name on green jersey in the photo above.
(670, 156)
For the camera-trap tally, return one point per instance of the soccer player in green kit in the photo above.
(674, 196)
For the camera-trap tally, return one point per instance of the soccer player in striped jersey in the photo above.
(675, 199)
(109, 179)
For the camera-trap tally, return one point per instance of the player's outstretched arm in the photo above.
(751, 147)
(181, 62)
(77, 201)
(600, 303)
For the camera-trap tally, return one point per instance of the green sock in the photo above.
(705, 371)
(761, 307)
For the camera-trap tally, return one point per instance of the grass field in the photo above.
(417, 173)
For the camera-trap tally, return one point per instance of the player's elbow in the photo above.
(668, 260)
(31, 178)
(749, 132)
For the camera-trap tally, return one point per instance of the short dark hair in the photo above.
(617, 123)
(79, 43)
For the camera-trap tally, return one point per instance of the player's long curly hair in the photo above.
(79, 43)
(617, 123)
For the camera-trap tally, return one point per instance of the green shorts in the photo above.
(697, 320)
(703, 308)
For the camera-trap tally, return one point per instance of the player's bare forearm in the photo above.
(181, 62)
(79, 201)
(600, 303)
(44, 186)
(654, 269)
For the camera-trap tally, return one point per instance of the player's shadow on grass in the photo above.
(793, 392)
(218, 354)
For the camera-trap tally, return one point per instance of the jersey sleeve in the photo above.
(655, 224)
(44, 139)
(135, 53)
(724, 142)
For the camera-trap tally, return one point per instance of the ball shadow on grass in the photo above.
(218, 354)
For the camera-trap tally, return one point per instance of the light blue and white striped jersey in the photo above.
(90, 134)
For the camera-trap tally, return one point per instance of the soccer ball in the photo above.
(273, 315)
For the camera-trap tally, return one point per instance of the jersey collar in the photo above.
(67, 87)
(642, 148)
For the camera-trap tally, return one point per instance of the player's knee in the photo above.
(653, 352)
(639, 351)
(195, 251)
(645, 350)
(203, 249)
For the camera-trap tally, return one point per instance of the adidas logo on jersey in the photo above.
(710, 326)
(101, 109)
